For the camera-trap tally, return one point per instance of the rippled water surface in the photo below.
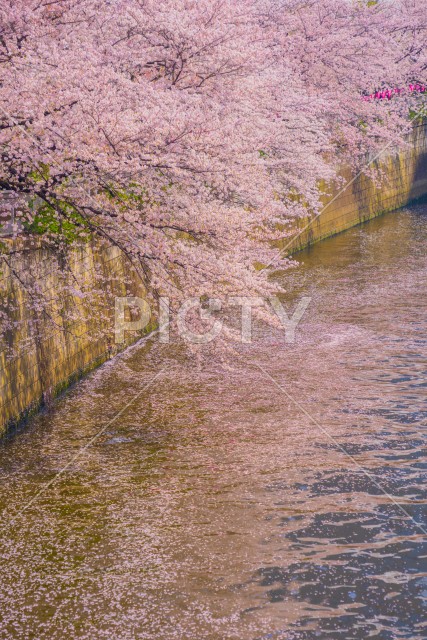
(284, 498)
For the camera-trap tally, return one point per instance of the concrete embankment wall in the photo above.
(405, 180)
(43, 355)
(45, 352)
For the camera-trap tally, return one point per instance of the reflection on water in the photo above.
(218, 506)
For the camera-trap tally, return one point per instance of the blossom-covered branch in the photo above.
(185, 132)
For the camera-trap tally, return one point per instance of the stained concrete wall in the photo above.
(53, 351)
(45, 352)
(405, 172)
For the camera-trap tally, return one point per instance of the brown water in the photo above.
(221, 506)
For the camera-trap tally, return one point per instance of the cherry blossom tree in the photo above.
(184, 132)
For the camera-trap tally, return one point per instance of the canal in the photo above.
(281, 495)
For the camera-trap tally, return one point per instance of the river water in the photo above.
(283, 497)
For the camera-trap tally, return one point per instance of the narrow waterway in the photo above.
(281, 498)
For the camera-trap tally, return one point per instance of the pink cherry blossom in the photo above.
(185, 132)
